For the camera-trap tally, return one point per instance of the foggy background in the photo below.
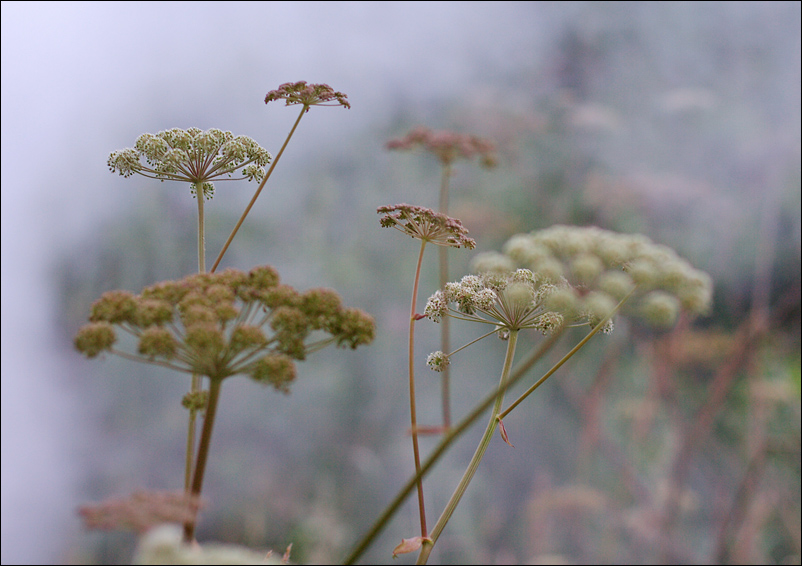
(677, 120)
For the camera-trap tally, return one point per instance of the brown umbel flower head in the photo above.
(308, 95)
(426, 224)
(223, 324)
(448, 146)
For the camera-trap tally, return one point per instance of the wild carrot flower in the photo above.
(193, 156)
(427, 225)
(308, 95)
(448, 146)
(224, 324)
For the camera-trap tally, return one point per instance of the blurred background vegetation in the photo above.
(676, 121)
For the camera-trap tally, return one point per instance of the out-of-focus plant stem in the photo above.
(445, 324)
(473, 465)
(519, 372)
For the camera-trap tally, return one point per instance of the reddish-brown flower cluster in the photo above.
(448, 146)
(141, 511)
(308, 95)
(426, 224)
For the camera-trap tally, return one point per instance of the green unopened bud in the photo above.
(491, 262)
(659, 308)
(696, 293)
(586, 267)
(548, 268)
(519, 294)
(562, 300)
(616, 284)
(643, 272)
(598, 305)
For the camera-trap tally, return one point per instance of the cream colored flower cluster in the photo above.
(193, 156)
(601, 268)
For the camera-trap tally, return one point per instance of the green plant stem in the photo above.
(258, 190)
(413, 417)
(195, 383)
(445, 325)
(384, 519)
(565, 358)
(203, 451)
(473, 465)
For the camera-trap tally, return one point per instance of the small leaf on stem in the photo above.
(504, 432)
(409, 545)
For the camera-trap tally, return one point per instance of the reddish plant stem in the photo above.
(413, 417)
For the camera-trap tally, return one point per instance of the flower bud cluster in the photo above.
(448, 146)
(226, 323)
(602, 267)
(308, 95)
(426, 224)
(193, 156)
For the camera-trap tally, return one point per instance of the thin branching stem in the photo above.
(565, 358)
(384, 519)
(203, 451)
(445, 325)
(473, 465)
(304, 108)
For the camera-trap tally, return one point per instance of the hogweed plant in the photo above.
(307, 95)
(217, 325)
(447, 147)
(198, 158)
(212, 335)
(222, 324)
(547, 281)
(432, 227)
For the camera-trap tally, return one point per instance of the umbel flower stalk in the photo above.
(198, 158)
(220, 325)
(603, 267)
(447, 147)
(293, 94)
(429, 227)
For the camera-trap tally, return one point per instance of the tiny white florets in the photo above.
(438, 361)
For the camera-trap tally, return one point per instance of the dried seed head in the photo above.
(448, 146)
(308, 94)
(425, 224)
